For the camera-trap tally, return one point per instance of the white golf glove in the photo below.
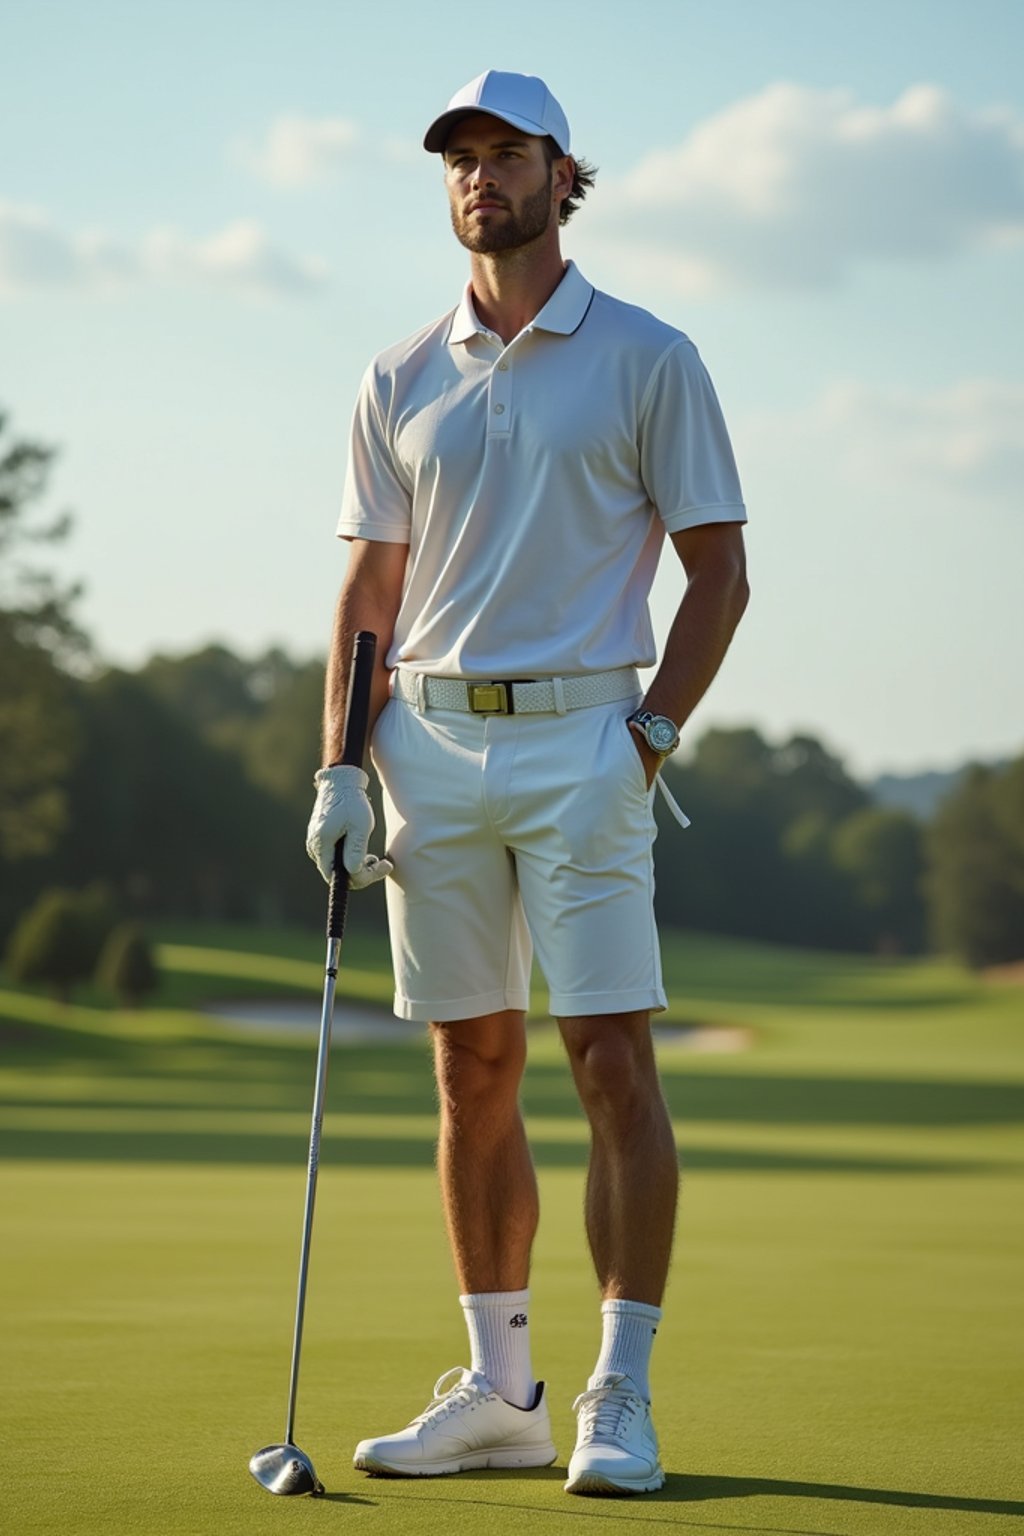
(343, 810)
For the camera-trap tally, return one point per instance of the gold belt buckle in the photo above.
(490, 698)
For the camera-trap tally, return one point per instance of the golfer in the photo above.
(514, 469)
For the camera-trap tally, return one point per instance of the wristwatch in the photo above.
(659, 732)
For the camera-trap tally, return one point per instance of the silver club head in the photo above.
(285, 1469)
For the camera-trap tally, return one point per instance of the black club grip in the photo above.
(357, 716)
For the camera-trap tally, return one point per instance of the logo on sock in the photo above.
(519, 1321)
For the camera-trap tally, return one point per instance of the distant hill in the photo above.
(918, 793)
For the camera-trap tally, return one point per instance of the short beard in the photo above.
(512, 232)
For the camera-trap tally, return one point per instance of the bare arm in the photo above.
(712, 606)
(369, 599)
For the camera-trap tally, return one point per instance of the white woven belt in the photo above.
(548, 696)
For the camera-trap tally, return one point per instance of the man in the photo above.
(514, 469)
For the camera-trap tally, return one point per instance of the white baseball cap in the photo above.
(522, 100)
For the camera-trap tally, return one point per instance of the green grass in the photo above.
(841, 1347)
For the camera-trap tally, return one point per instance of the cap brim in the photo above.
(436, 136)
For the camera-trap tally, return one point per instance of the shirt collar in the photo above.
(562, 314)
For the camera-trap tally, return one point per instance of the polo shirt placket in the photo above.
(499, 389)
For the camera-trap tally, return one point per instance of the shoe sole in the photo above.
(375, 1466)
(598, 1486)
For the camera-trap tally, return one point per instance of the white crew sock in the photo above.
(499, 1338)
(627, 1338)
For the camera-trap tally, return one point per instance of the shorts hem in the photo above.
(566, 1005)
(451, 1010)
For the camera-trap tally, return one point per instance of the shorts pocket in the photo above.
(637, 770)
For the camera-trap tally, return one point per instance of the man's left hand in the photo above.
(343, 810)
(651, 760)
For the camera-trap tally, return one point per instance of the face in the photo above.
(501, 187)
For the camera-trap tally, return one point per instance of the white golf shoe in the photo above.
(466, 1426)
(616, 1446)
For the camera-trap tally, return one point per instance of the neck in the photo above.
(510, 288)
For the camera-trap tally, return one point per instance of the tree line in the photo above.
(183, 788)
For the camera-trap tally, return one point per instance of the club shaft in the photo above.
(316, 1129)
(357, 709)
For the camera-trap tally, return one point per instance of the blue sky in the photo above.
(212, 215)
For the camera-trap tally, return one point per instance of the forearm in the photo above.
(368, 600)
(712, 606)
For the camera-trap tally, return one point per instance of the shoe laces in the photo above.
(452, 1391)
(606, 1412)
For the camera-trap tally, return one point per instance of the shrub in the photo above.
(54, 943)
(126, 965)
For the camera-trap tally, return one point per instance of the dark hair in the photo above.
(583, 179)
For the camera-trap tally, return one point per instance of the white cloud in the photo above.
(36, 254)
(954, 450)
(241, 255)
(796, 185)
(962, 441)
(948, 449)
(298, 150)
(886, 544)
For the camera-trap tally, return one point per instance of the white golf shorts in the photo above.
(511, 833)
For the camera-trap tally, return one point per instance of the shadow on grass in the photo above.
(242, 1073)
(106, 1144)
(367, 1083)
(256, 1087)
(692, 1489)
(679, 1489)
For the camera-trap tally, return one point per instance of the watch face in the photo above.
(662, 734)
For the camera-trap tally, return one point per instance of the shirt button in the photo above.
(499, 410)
(503, 367)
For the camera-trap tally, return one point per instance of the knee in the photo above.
(476, 1075)
(614, 1073)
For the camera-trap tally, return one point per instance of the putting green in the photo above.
(841, 1347)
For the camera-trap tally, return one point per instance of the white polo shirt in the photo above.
(534, 483)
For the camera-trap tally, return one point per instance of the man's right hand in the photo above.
(343, 810)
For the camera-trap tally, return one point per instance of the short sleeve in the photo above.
(374, 504)
(686, 459)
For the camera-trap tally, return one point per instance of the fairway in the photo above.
(841, 1351)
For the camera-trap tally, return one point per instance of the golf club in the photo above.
(284, 1468)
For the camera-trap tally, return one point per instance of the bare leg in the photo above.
(633, 1178)
(488, 1185)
